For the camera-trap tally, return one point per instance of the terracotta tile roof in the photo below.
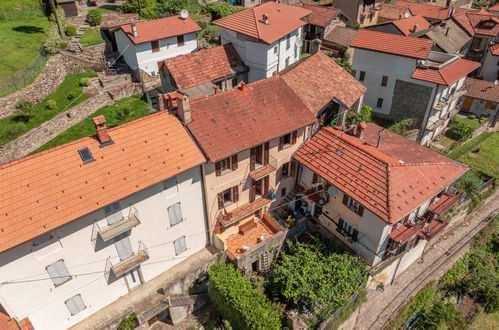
(321, 16)
(235, 120)
(115, 19)
(494, 49)
(392, 44)
(7, 323)
(495, 7)
(52, 188)
(447, 75)
(472, 22)
(392, 11)
(425, 10)
(161, 28)
(406, 25)
(320, 72)
(204, 66)
(282, 20)
(391, 181)
(482, 89)
(341, 35)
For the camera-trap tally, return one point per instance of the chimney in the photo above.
(242, 87)
(265, 19)
(380, 135)
(215, 89)
(101, 130)
(134, 30)
(184, 109)
(415, 28)
(360, 130)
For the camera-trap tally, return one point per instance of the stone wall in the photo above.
(410, 100)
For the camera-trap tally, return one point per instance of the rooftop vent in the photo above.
(86, 155)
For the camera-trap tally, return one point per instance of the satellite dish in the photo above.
(184, 13)
(331, 191)
(299, 43)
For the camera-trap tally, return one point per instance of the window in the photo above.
(288, 41)
(285, 169)
(180, 40)
(288, 169)
(379, 103)
(175, 214)
(75, 304)
(384, 81)
(226, 165)
(283, 192)
(42, 239)
(362, 76)
(180, 245)
(113, 213)
(353, 73)
(345, 229)
(228, 196)
(296, 51)
(275, 50)
(286, 63)
(155, 46)
(353, 205)
(86, 155)
(58, 272)
(287, 140)
(234, 82)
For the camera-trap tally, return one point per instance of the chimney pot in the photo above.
(216, 90)
(101, 130)
(134, 30)
(360, 130)
(242, 87)
(184, 109)
(380, 136)
(265, 19)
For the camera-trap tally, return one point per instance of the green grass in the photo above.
(91, 37)
(486, 156)
(459, 151)
(474, 123)
(138, 108)
(485, 321)
(41, 114)
(446, 141)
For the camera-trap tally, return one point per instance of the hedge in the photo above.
(237, 301)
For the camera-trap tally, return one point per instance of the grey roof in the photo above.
(450, 41)
(340, 35)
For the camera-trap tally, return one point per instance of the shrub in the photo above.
(51, 104)
(129, 322)
(24, 105)
(53, 41)
(70, 30)
(122, 114)
(149, 13)
(222, 9)
(212, 33)
(442, 315)
(460, 131)
(471, 116)
(364, 115)
(238, 302)
(94, 17)
(401, 127)
(482, 281)
(84, 82)
(175, 6)
(13, 130)
(469, 183)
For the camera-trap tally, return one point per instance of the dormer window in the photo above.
(86, 155)
(489, 24)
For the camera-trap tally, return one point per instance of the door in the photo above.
(123, 246)
(468, 101)
(133, 278)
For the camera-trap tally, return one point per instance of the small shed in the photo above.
(69, 7)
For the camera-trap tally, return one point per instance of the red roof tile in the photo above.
(406, 25)
(235, 120)
(391, 181)
(7, 323)
(392, 11)
(321, 16)
(52, 188)
(495, 7)
(161, 28)
(472, 22)
(204, 66)
(282, 20)
(447, 75)
(482, 89)
(494, 49)
(392, 44)
(425, 10)
(320, 72)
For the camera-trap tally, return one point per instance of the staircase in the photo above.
(74, 45)
(265, 261)
(289, 197)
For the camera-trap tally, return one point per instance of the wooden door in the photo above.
(468, 101)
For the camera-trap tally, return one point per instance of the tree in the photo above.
(136, 6)
(469, 183)
(364, 115)
(175, 6)
(460, 131)
(442, 315)
(56, 17)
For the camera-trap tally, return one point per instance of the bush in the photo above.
(402, 127)
(94, 17)
(129, 322)
(482, 281)
(212, 33)
(238, 302)
(51, 104)
(70, 30)
(13, 130)
(24, 105)
(53, 41)
(222, 9)
(469, 183)
(84, 82)
(460, 131)
(149, 13)
(442, 315)
(175, 6)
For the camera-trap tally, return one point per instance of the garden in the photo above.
(467, 296)
(91, 37)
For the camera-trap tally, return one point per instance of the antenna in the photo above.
(184, 13)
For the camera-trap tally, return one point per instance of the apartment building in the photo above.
(376, 192)
(268, 37)
(144, 44)
(406, 79)
(490, 66)
(364, 12)
(90, 221)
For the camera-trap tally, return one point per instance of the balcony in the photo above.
(264, 170)
(132, 261)
(117, 228)
(444, 203)
(229, 218)
(445, 101)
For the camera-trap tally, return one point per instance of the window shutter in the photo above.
(180, 245)
(345, 199)
(58, 272)
(278, 175)
(175, 214)
(293, 137)
(235, 194)
(220, 198)
(315, 178)
(281, 143)
(266, 185)
(292, 169)
(266, 148)
(218, 169)
(234, 162)
(355, 235)
(123, 246)
(252, 159)
(252, 193)
(340, 225)
(75, 304)
(360, 211)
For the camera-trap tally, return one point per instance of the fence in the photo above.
(342, 313)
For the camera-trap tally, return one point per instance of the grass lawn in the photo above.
(474, 123)
(485, 321)
(446, 141)
(137, 109)
(485, 156)
(91, 37)
(13, 126)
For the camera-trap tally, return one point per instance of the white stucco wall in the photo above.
(490, 67)
(141, 55)
(478, 108)
(44, 304)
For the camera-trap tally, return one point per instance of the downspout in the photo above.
(205, 207)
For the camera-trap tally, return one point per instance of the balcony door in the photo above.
(259, 156)
(133, 278)
(123, 245)
(259, 188)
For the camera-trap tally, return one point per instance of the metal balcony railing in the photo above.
(445, 101)
(119, 227)
(264, 170)
(138, 257)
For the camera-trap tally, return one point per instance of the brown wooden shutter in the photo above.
(292, 168)
(155, 46)
(252, 159)
(293, 137)
(345, 199)
(315, 178)
(360, 211)
(266, 148)
(218, 169)
(235, 194)
(266, 185)
(234, 162)
(355, 235)
(252, 192)
(281, 143)
(220, 198)
(340, 225)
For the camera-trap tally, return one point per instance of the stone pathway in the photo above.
(381, 307)
(42, 134)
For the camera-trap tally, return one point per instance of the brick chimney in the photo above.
(360, 130)
(242, 87)
(415, 28)
(101, 130)
(184, 109)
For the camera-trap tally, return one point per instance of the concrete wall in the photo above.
(490, 67)
(141, 55)
(478, 108)
(85, 256)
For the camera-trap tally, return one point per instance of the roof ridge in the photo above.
(256, 21)
(388, 193)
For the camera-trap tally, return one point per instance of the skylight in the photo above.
(86, 155)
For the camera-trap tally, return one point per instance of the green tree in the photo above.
(364, 115)
(175, 6)
(442, 315)
(401, 127)
(460, 131)
(94, 17)
(469, 183)
(482, 281)
(132, 6)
